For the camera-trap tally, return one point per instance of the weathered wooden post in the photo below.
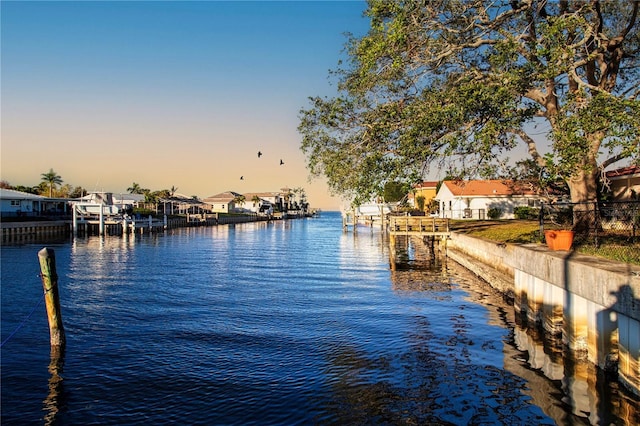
(47, 259)
(392, 251)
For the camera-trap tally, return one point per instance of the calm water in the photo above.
(293, 322)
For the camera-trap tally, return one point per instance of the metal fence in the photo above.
(610, 228)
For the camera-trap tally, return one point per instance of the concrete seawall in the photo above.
(18, 231)
(591, 303)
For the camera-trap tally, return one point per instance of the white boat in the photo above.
(368, 214)
(94, 202)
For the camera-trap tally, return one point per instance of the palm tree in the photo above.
(135, 189)
(52, 179)
(150, 197)
(255, 200)
(239, 199)
(300, 196)
(287, 194)
(173, 190)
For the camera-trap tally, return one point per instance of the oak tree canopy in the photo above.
(458, 84)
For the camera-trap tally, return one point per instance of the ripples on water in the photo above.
(292, 322)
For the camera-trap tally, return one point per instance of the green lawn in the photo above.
(526, 231)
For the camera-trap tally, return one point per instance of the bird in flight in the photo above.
(241, 177)
(259, 154)
(281, 162)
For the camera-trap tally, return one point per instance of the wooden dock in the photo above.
(419, 225)
(432, 230)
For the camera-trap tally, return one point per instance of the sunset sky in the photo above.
(167, 93)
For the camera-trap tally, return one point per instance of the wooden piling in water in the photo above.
(392, 252)
(47, 259)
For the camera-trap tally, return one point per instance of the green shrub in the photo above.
(526, 212)
(494, 213)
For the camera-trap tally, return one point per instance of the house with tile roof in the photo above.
(223, 202)
(266, 200)
(427, 190)
(473, 199)
(624, 183)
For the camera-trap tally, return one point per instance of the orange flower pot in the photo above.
(559, 239)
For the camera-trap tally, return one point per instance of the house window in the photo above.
(15, 203)
(450, 205)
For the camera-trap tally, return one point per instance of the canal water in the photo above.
(283, 323)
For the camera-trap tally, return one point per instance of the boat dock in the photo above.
(432, 230)
(399, 225)
(419, 225)
(352, 219)
(111, 225)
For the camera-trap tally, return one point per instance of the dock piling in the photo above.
(47, 259)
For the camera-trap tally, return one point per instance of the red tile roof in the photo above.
(426, 184)
(487, 188)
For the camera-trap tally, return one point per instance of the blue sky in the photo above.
(167, 93)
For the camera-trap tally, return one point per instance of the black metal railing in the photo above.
(611, 228)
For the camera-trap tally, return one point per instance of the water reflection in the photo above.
(433, 377)
(258, 324)
(359, 250)
(588, 393)
(55, 399)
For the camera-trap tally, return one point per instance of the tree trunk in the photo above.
(583, 185)
(583, 188)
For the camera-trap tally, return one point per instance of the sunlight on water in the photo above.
(289, 322)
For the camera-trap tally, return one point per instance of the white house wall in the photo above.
(16, 207)
(455, 207)
(220, 208)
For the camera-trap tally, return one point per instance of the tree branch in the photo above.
(532, 147)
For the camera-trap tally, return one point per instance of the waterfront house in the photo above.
(23, 204)
(223, 202)
(183, 204)
(624, 183)
(266, 200)
(427, 190)
(477, 199)
(128, 201)
(16, 203)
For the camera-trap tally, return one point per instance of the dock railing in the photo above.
(420, 225)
